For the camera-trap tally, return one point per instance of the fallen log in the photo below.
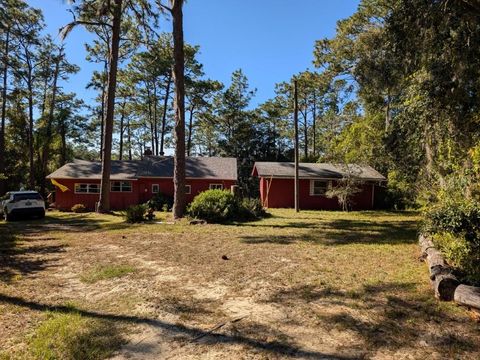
(468, 296)
(434, 258)
(444, 286)
(443, 281)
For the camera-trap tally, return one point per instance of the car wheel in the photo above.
(41, 215)
(8, 217)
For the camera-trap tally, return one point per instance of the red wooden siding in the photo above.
(281, 195)
(141, 192)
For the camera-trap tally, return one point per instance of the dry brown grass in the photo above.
(309, 285)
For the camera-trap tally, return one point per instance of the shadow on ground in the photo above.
(385, 316)
(188, 333)
(17, 259)
(342, 232)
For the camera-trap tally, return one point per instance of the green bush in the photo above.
(457, 218)
(462, 254)
(250, 209)
(135, 213)
(79, 208)
(218, 206)
(398, 194)
(160, 202)
(213, 206)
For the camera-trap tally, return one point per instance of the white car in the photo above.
(22, 203)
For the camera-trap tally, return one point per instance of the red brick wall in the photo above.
(281, 195)
(141, 192)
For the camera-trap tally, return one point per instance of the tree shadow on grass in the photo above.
(387, 316)
(343, 232)
(17, 260)
(369, 232)
(189, 333)
(71, 223)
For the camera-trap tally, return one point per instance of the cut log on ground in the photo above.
(444, 286)
(434, 258)
(443, 281)
(468, 296)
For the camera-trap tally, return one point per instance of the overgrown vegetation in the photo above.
(456, 230)
(217, 206)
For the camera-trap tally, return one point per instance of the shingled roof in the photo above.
(316, 171)
(151, 166)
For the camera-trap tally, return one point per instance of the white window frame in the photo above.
(121, 187)
(155, 186)
(188, 189)
(88, 188)
(312, 187)
(215, 186)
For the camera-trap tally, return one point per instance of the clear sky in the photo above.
(269, 39)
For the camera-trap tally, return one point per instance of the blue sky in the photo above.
(269, 39)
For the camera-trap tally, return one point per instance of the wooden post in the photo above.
(295, 119)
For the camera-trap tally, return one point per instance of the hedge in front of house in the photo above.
(217, 206)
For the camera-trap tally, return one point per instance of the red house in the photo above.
(136, 181)
(277, 185)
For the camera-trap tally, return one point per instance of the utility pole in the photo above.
(295, 119)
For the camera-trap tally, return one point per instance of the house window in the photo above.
(121, 186)
(155, 188)
(216, 186)
(81, 188)
(188, 189)
(318, 187)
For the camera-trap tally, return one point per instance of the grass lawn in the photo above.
(313, 285)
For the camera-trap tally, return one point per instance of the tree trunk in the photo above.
(102, 119)
(387, 114)
(314, 125)
(305, 133)
(129, 140)
(179, 107)
(164, 116)
(122, 119)
(48, 133)
(104, 201)
(190, 129)
(155, 120)
(29, 81)
(150, 120)
(63, 135)
(4, 111)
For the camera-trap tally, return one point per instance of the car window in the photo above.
(33, 196)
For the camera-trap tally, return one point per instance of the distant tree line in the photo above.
(397, 88)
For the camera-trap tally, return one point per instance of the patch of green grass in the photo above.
(73, 336)
(105, 272)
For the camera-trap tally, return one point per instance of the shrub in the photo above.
(221, 205)
(135, 214)
(160, 202)
(457, 218)
(213, 206)
(79, 208)
(462, 254)
(250, 209)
